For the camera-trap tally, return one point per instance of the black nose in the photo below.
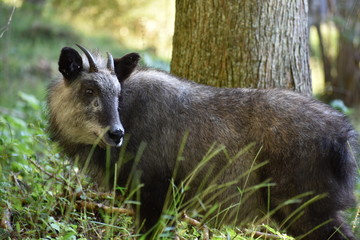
(116, 135)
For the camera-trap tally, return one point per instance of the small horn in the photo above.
(110, 63)
(92, 65)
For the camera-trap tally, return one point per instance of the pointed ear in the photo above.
(125, 66)
(70, 63)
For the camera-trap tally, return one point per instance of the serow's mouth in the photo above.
(113, 141)
(106, 140)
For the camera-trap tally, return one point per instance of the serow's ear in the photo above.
(70, 63)
(125, 66)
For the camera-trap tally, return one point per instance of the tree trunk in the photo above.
(346, 85)
(248, 43)
(342, 70)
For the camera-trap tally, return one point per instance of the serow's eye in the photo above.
(89, 92)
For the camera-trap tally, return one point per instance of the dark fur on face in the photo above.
(296, 147)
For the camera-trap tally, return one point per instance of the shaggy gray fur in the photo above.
(294, 145)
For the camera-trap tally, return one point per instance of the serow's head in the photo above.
(87, 99)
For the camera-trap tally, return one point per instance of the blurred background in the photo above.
(33, 32)
(335, 52)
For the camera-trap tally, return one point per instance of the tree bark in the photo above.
(248, 43)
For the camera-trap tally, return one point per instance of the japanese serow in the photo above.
(250, 154)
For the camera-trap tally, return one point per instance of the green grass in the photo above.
(41, 202)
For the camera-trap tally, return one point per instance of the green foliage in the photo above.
(38, 188)
(28, 50)
(340, 106)
(40, 200)
(31, 46)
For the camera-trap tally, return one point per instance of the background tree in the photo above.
(251, 43)
(339, 48)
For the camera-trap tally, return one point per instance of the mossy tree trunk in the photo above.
(248, 43)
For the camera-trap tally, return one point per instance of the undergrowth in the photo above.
(43, 196)
(40, 191)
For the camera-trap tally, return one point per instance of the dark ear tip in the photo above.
(131, 58)
(134, 56)
(67, 49)
(125, 66)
